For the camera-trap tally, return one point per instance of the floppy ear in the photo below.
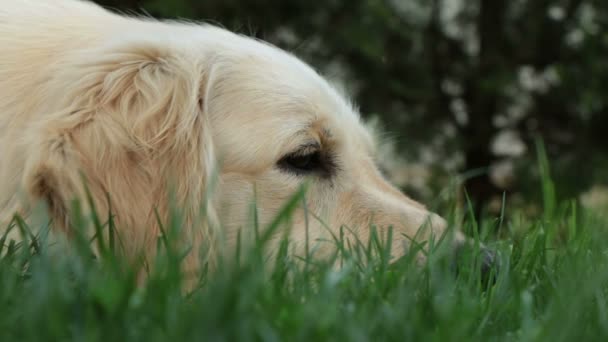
(131, 123)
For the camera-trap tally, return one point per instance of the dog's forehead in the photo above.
(276, 97)
(284, 85)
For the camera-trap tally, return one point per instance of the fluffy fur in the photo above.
(151, 113)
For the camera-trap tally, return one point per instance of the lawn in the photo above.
(551, 286)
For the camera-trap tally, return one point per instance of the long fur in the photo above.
(145, 113)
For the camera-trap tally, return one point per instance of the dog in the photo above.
(134, 116)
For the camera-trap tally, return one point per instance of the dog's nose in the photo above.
(486, 259)
(489, 264)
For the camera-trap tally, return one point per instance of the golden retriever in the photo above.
(153, 114)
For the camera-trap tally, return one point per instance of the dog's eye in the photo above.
(301, 163)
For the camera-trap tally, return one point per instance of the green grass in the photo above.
(552, 286)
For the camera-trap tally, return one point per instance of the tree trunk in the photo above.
(482, 96)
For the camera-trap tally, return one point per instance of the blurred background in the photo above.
(463, 88)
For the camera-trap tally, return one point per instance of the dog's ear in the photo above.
(130, 122)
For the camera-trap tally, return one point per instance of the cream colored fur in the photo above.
(146, 111)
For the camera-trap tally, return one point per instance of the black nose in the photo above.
(469, 257)
(489, 264)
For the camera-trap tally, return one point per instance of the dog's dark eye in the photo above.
(301, 163)
(309, 159)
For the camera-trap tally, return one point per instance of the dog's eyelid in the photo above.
(308, 148)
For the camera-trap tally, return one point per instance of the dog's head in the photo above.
(174, 105)
(276, 125)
